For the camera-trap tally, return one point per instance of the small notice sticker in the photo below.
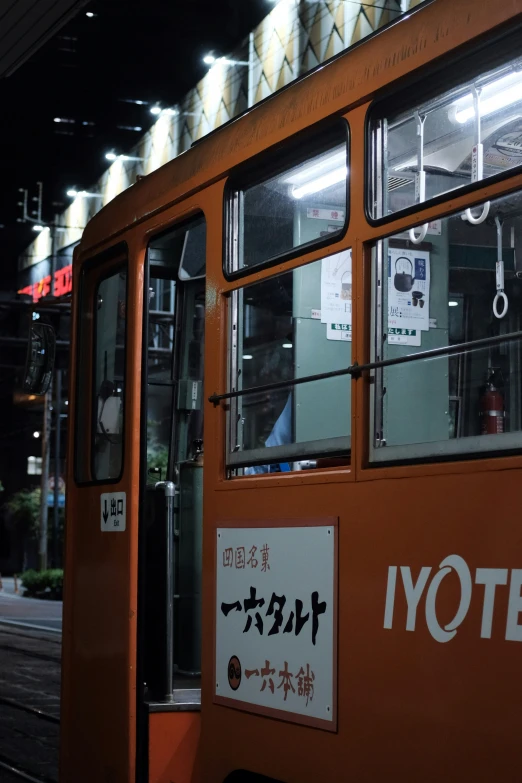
(113, 512)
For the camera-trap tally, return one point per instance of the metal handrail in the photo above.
(356, 370)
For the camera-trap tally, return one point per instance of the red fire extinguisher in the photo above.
(491, 407)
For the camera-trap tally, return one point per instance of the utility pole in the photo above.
(35, 215)
(46, 444)
(46, 453)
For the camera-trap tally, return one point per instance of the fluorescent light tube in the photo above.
(321, 183)
(495, 96)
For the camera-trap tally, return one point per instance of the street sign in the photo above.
(113, 512)
(276, 620)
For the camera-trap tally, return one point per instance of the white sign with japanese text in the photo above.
(276, 621)
(336, 288)
(113, 512)
(326, 214)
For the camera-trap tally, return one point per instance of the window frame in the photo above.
(441, 79)
(101, 266)
(457, 450)
(254, 172)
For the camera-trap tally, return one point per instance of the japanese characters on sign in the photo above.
(275, 620)
(326, 214)
(62, 285)
(113, 512)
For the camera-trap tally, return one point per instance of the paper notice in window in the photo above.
(409, 289)
(336, 288)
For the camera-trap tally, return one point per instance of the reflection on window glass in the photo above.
(442, 293)
(304, 202)
(432, 148)
(109, 375)
(291, 326)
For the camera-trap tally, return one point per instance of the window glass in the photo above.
(110, 302)
(160, 353)
(438, 295)
(291, 326)
(457, 137)
(301, 199)
(177, 262)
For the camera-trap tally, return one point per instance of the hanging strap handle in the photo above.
(500, 296)
(477, 162)
(420, 179)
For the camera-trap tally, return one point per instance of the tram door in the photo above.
(172, 481)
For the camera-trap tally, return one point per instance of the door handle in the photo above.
(169, 490)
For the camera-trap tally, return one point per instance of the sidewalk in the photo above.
(28, 612)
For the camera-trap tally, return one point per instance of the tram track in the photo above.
(29, 706)
(31, 653)
(18, 705)
(12, 767)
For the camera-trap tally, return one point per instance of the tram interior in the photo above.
(440, 399)
(451, 140)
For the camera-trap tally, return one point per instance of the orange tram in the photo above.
(295, 462)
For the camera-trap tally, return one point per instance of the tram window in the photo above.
(438, 295)
(283, 328)
(110, 301)
(299, 199)
(447, 141)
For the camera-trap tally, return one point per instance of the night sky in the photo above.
(149, 50)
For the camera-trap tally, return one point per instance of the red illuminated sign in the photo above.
(62, 285)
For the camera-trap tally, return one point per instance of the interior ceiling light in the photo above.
(38, 228)
(287, 345)
(247, 356)
(452, 303)
(155, 109)
(494, 96)
(325, 171)
(209, 59)
(321, 183)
